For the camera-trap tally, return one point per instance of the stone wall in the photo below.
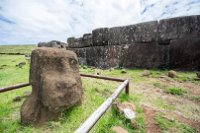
(169, 43)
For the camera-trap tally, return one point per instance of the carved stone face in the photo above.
(61, 85)
(56, 84)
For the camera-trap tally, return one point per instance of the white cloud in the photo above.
(32, 21)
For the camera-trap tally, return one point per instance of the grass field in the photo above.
(174, 104)
(16, 49)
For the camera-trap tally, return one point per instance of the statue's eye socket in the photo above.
(73, 61)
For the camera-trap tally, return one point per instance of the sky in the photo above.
(33, 21)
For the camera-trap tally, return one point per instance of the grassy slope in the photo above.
(95, 92)
(22, 49)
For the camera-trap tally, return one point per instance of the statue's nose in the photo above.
(67, 83)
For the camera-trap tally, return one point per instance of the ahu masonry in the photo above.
(170, 43)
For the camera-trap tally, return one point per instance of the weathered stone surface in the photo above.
(54, 44)
(146, 73)
(198, 74)
(81, 54)
(143, 55)
(71, 41)
(56, 85)
(172, 74)
(81, 42)
(100, 37)
(180, 27)
(87, 40)
(142, 32)
(113, 55)
(104, 56)
(185, 53)
(124, 105)
(169, 43)
(95, 56)
(118, 129)
(118, 35)
(78, 42)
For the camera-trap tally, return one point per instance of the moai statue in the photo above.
(56, 85)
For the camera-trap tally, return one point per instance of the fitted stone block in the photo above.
(100, 37)
(185, 53)
(176, 28)
(168, 43)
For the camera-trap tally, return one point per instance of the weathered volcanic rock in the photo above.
(56, 85)
(185, 53)
(100, 36)
(172, 74)
(87, 40)
(142, 32)
(169, 43)
(71, 41)
(118, 35)
(144, 55)
(81, 42)
(175, 28)
(118, 129)
(54, 44)
(81, 53)
(198, 74)
(104, 56)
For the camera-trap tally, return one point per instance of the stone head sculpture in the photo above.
(56, 85)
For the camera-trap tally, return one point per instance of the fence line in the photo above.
(96, 115)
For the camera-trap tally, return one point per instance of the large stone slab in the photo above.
(142, 32)
(56, 85)
(118, 35)
(104, 56)
(87, 40)
(81, 42)
(143, 55)
(185, 53)
(180, 27)
(81, 54)
(95, 56)
(100, 37)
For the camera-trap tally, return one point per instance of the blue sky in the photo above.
(33, 21)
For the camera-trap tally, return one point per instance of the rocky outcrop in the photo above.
(56, 85)
(53, 44)
(169, 43)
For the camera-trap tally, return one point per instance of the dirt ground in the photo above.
(184, 108)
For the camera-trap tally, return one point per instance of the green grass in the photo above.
(187, 76)
(175, 91)
(95, 93)
(158, 85)
(162, 104)
(195, 98)
(173, 126)
(170, 90)
(21, 49)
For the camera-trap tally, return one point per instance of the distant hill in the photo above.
(16, 49)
